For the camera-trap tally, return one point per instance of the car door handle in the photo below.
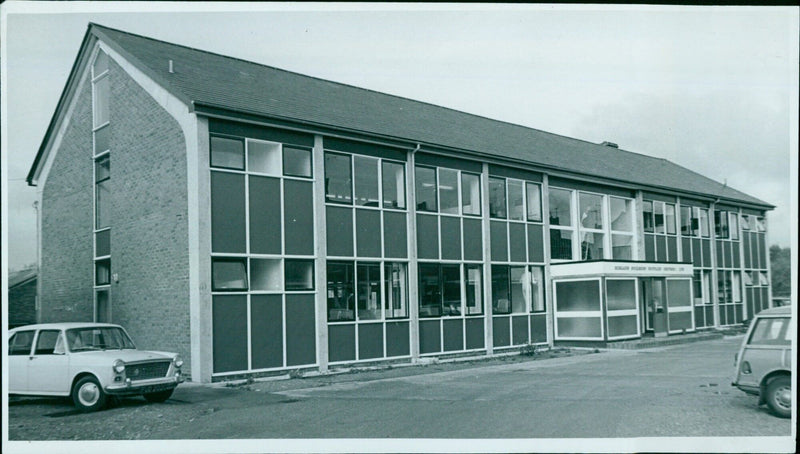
(32, 358)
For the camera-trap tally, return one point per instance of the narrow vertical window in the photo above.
(297, 162)
(734, 226)
(537, 289)
(658, 217)
(533, 197)
(102, 175)
(395, 282)
(721, 223)
(102, 90)
(368, 291)
(102, 274)
(647, 213)
(425, 181)
(338, 179)
(501, 299)
(451, 290)
(686, 220)
(448, 191)
(520, 289)
(365, 171)
(470, 194)
(669, 218)
(394, 185)
(341, 294)
(516, 204)
(704, 228)
(430, 293)
(497, 198)
(560, 207)
(474, 290)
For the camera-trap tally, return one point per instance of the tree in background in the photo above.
(781, 266)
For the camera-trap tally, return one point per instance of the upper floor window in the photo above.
(470, 193)
(102, 175)
(394, 184)
(733, 225)
(227, 153)
(497, 198)
(448, 191)
(721, 224)
(647, 210)
(560, 207)
(686, 220)
(621, 214)
(702, 215)
(365, 170)
(669, 218)
(591, 206)
(533, 197)
(338, 178)
(760, 226)
(425, 182)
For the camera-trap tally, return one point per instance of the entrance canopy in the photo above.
(614, 300)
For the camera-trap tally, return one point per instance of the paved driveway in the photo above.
(677, 391)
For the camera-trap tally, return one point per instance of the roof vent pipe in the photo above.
(607, 144)
(171, 71)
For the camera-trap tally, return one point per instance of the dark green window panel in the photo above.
(728, 254)
(298, 221)
(699, 317)
(764, 298)
(265, 215)
(720, 254)
(451, 238)
(475, 336)
(538, 328)
(430, 340)
(686, 247)
(736, 255)
(453, 335)
(516, 235)
(370, 341)
(499, 241)
(227, 212)
(395, 235)
(339, 231)
(706, 244)
(697, 253)
(672, 248)
(709, 315)
(227, 153)
(650, 248)
(301, 332)
(341, 343)
(473, 239)
(501, 331)
(739, 315)
(746, 246)
(752, 309)
(102, 243)
(519, 330)
(536, 243)
(229, 332)
(661, 248)
(368, 233)
(762, 250)
(427, 236)
(266, 331)
(397, 339)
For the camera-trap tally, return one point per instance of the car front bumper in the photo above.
(144, 386)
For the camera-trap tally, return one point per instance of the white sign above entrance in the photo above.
(620, 269)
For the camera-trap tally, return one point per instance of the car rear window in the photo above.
(771, 331)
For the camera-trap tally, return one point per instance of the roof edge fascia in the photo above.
(217, 111)
(81, 60)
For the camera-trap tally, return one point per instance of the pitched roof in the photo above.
(204, 78)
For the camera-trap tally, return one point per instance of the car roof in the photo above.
(65, 325)
(783, 310)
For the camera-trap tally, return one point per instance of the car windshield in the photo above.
(105, 338)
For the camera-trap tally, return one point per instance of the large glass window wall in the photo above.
(591, 226)
(367, 267)
(517, 252)
(660, 227)
(262, 253)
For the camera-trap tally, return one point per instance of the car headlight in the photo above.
(119, 366)
(178, 361)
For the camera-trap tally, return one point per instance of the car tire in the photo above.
(779, 396)
(88, 395)
(158, 397)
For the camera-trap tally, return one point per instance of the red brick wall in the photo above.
(148, 218)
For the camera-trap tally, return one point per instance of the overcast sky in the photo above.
(713, 89)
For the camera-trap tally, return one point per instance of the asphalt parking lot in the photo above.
(677, 391)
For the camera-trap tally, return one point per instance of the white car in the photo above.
(88, 362)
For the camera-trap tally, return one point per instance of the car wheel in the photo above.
(87, 394)
(158, 397)
(779, 397)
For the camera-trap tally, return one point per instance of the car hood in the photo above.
(129, 356)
